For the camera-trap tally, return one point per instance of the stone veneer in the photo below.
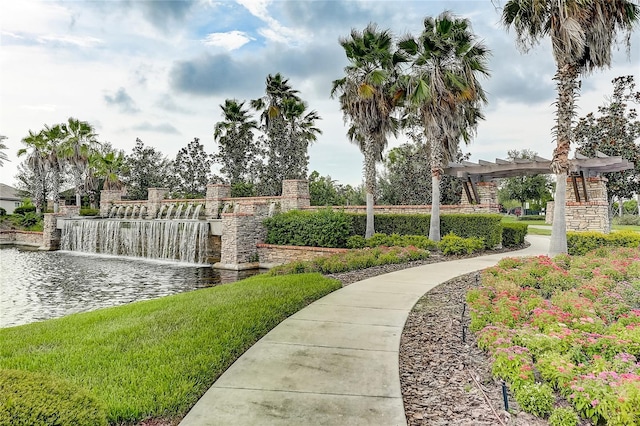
(271, 255)
(592, 215)
(108, 197)
(487, 192)
(21, 238)
(50, 233)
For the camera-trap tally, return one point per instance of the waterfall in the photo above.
(178, 212)
(187, 213)
(161, 212)
(113, 211)
(196, 214)
(176, 240)
(169, 212)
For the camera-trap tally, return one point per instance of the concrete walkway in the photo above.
(334, 362)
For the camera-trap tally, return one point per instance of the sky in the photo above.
(159, 70)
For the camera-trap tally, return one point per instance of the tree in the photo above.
(288, 131)
(35, 163)
(109, 165)
(3, 155)
(78, 144)
(406, 177)
(324, 191)
(192, 170)
(615, 132)
(145, 168)
(443, 90)
(368, 98)
(53, 137)
(238, 152)
(582, 35)
(525, 188)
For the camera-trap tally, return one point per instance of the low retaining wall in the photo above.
(271, 255)
(21, 238)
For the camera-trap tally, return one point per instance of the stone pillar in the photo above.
(50, 233)
(591, 215)
(213, 200)
(238, 240)
(487, 193)
(107, 198)
(295, 194)
(154, 201)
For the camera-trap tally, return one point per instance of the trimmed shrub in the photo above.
(324, 228)
(24, 209)
(579, 243)
(453, 244)
(531, 217)
(356, 242)
(89, 212)
(513, 234)
(627, 219)
(485, 226)
(3, 212)
(34, 399)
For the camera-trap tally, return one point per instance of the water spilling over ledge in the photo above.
(175, 240)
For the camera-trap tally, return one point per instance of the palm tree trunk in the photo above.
(566, 78)
(434, 224)
(370, 186)
(558, 242)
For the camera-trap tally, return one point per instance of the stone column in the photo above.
(154, 201)
(487, 193)
(591, 215)
(50, 233)
(238, 240)
(107, 198)
(295, 194)
(213, 200)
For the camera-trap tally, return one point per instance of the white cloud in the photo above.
(231, 40)
(85, 41)
(275, 31)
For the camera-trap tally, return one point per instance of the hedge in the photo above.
(34, 399)
(24, 209)
(579, 243)
(89, 212)
(324, 228)
(485, 226)
(513, 234)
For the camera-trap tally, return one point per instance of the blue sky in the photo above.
(159, 70)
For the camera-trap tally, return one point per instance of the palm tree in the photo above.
(108, 166)
(53, 138)
(368, 99)
(443, 90)
(582, 34)
(234, 135)
(79, 141)
(3, 155)
(301, 132)
(36, 162)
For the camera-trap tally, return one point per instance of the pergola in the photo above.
(581, 167)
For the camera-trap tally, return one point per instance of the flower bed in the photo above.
(565, 328)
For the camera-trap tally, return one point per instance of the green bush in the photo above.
(531, 217)
(513, 234)
(356, 242)
(579, 243)
(3, 212)
(323, 228)
(627, 219)
(89, 212)
(30, 219)
(453, 244)
(563, 417)
(24, 209)
(485, 226)
(34, 399)
(534, 398)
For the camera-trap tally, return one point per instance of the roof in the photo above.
(486, 170)
(8, 193)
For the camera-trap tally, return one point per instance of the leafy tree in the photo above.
(444, 92)
(3, 155)
(368, 98)
(238, 152)
(108, 165)
(615, 132)
(35, 174)
(78, 143)
(582, 36)
(145, 168)
(192, 170)
(324, 191)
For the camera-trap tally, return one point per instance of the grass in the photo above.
(156, 358)
(545, 231)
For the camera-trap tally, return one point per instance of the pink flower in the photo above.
(595, 402)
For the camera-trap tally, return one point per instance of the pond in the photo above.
(37, 285)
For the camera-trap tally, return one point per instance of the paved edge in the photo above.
(334, 362)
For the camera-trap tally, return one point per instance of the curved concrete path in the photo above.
(335, 362)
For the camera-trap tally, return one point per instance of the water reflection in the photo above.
(36, 285)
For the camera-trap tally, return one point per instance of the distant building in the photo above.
(9, 198)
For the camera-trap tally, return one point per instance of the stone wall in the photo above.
(271, 255)
(487, 193)
(21, 238)
(51, 234)
(107, 199)
(154, 201)
(592, 215)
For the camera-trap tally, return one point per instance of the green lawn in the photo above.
(534, 231)
(156, 358)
